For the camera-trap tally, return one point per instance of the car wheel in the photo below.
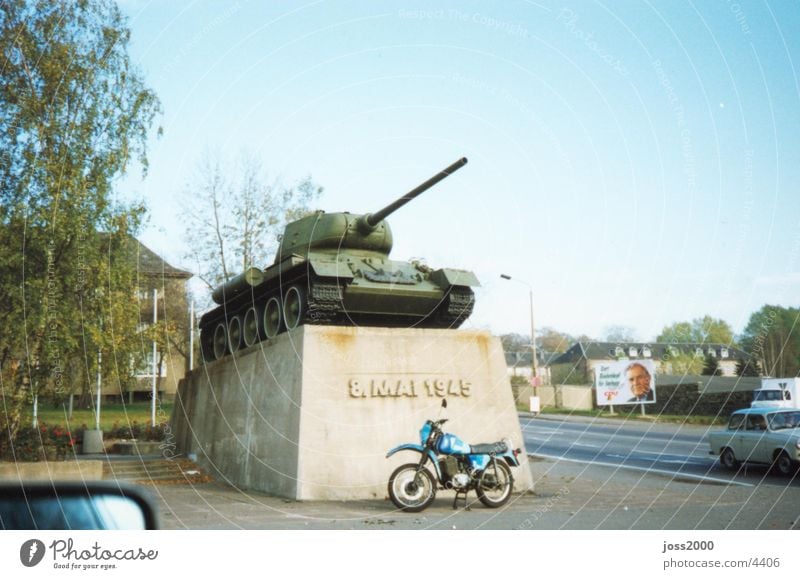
(728, 460)
(784, 464)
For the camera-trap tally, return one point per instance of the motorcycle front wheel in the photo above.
(495, 484)
(410, 490)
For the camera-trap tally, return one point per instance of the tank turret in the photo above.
(334, 268)
(340, 231)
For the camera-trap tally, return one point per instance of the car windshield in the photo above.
(767, 395)
(781, 420)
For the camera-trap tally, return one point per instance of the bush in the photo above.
(135, 430)
(45, 442)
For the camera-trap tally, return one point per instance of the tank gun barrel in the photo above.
(372, 219)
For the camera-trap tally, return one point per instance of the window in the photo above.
(619, 352)
(781, 420)
(145, 369)
(724, 353)
(698, 352)
(756, 422)
(632, 352)
(646, 352)
(770, 395)
(736, 422)
(712, 352)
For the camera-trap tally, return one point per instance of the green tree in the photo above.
(749, 367)
(772, 337)
(516, 342)
(705, 330)
(711, 366)
(551, 340)
(677, 361)
(547, 340)
(237, 215)
(75, 113)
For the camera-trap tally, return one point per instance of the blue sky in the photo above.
(636, 163)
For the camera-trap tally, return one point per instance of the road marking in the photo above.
(679, 459)
(668, 456)
(640, 435)
(670, 473)
(586, 445)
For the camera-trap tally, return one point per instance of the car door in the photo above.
(729, 438)
(752, 441)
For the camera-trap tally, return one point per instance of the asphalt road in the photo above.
(668, 449)
(574, 489)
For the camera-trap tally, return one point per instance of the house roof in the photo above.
(656, 350)
(150, 263)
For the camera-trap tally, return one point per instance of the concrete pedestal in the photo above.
(311, 414)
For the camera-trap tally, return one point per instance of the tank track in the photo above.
(323, 305)
(455, 308)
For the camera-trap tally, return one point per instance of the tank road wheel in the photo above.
(234, 334)
(294, 306)
(207, 344)
(219, 345)
(250, 327)
(271, 320)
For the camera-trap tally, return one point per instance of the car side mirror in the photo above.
(75, 506)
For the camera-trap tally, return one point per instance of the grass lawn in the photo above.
(122, 414)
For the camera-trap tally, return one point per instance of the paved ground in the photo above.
(566, 496)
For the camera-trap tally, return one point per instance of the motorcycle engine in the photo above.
(452, 475)
(460, 481)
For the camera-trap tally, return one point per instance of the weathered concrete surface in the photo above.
(311, 415)
(55, 470)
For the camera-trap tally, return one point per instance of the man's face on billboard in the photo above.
(639, 380)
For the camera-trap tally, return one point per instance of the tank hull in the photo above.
(368, 290)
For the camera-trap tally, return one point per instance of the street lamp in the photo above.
(534, 374)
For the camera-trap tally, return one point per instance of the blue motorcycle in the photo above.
(459, 466)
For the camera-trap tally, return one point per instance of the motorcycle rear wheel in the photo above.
(409, 491)
(494, 488)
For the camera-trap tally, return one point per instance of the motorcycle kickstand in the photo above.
(466, 504)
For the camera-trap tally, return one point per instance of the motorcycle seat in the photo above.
(489, 448)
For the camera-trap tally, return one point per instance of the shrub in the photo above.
(138, 431)
(33, 444)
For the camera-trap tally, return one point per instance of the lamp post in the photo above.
(534, 374)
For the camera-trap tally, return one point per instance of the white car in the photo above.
(760, 435)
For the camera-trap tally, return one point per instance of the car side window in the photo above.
(756, 422)
(736, 422)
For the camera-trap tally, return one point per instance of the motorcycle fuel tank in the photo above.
(451, 444)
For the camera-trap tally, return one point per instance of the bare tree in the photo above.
(236, 216)
(619, 334)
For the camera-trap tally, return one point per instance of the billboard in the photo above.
(625, 382)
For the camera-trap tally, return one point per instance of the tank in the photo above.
(334, 268)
